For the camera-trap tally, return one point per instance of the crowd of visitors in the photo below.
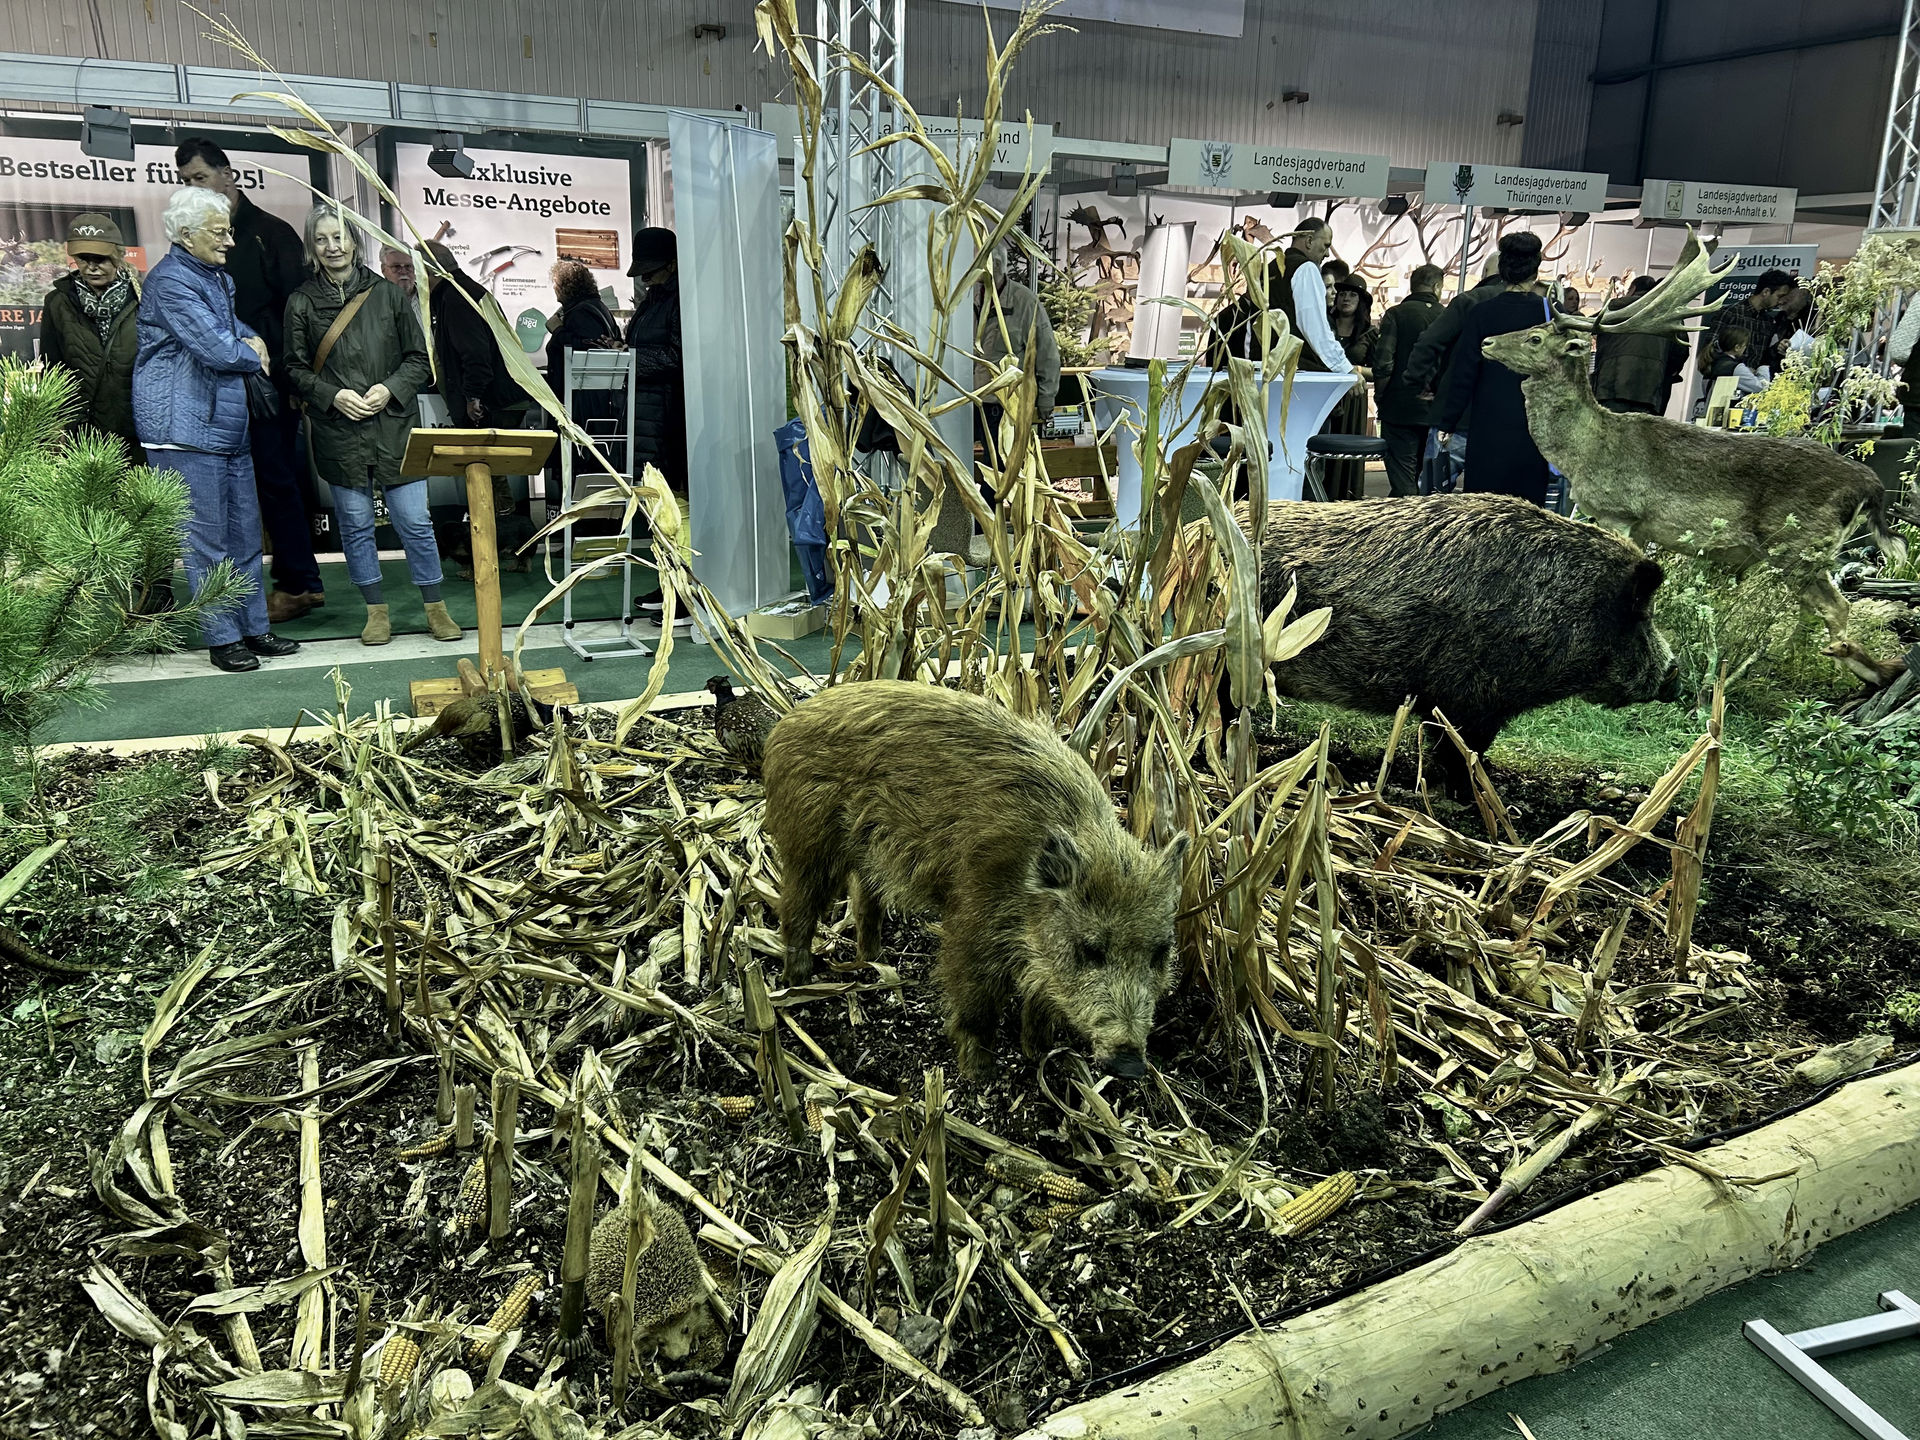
(250, 359)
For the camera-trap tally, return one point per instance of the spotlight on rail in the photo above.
(1282, 200)
(1394, 205)
(1124, 182)
(449, 156)
(106, 133)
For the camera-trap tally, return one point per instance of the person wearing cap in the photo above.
(89, 323)
(1350, 315)
(267, 264)
(1011, 323)
(659, 382)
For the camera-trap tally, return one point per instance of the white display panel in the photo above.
(519, 213)
(726, 205)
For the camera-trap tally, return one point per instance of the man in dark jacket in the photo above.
(1636, 373)
(1427, 366)
(89, 323)
(267, 265)
(1403, 411)
(653, 334)
(1485, 396)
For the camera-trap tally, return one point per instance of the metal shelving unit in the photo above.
(598, 372)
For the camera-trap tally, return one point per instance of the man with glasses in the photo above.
(267, 264)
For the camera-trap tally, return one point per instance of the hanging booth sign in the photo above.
(1195, 17)
(1799, 261)
(1222, 165)
(45, 184)
(1017, 146)
(1723, 204)
(1515, 187)
(516, 215)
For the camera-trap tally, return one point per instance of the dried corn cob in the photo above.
(737, 1107)
(512, 1311)
(1041, 1181)
(427, 1149)
(813, 1115)
(1061, 1211)
(1310, 1207)
(397, 1359)
(470, 1211)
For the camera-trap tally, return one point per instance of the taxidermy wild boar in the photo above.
(934, 801)
(1480, 605)
(1735, 500)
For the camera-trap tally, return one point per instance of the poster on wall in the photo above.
(517, 215)
(44, 184)
(1220, 165)
(1799, 261)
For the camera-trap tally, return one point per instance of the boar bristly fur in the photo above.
(1481, 606)
(921, 799)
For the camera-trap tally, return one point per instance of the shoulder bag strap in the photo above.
(340, 323)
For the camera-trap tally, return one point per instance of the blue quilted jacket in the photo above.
(189, 377)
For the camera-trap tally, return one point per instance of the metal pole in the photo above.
(1466, 239)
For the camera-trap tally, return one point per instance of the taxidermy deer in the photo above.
(1734, 500)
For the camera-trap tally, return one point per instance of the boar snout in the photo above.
(1126, 1064)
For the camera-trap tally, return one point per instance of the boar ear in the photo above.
(1059, 864)
(1646, 579)
(1173, 857)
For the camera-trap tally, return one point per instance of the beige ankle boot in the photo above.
(379, 626)
(440, 623)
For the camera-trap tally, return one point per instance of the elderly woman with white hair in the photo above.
(190, 407)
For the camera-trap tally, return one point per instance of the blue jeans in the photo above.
(224, 524)
(407, 510)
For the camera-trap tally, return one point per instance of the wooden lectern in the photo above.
(474, 454)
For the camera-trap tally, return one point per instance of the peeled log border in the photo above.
(1537, 1298)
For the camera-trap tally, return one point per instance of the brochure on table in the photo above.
(519, 213)
(45, 183)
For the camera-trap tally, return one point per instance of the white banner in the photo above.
(1515, 187)
(1017, 144)
(1198, 17)
(517, 215)
(44, 184)
(1726, 204)
(1799, 261)
(1221, 165)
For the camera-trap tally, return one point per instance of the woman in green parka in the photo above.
(359, 394)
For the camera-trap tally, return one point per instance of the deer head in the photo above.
(1565, 340)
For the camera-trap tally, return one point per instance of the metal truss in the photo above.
(858, 114)
(1896, 194)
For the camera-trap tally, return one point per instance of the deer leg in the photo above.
(1820, 595)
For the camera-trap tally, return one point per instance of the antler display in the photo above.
(1669, 304)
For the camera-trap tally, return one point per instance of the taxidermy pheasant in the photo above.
(741, 721)
(1735, 500)
(473, 723)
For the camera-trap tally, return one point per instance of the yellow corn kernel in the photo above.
(470, 1211)
(1060, 1212)
(737, 1107)
(512, 1311)
(1310, 1207)
(397, 1360)
(429, 1148)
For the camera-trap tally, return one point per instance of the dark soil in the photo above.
(1128, 1288)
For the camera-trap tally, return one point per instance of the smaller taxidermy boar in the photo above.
(1479, 605)
(931, 800)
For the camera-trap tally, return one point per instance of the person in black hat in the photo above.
(88, 323)
(1350, 314)
(659, 401)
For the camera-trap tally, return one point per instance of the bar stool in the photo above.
(1322, 448)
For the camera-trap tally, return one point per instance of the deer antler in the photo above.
(1669, 304)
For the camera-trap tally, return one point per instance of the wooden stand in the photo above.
(474, 453)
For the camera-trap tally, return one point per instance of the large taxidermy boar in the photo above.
(929, 800)
(1735, 500)
(1481, 606)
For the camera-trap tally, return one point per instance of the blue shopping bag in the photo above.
(806, 516)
